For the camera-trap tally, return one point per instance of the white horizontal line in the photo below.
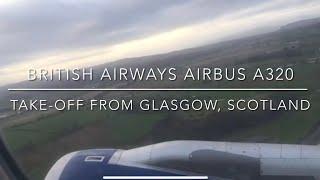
(155, 177)
(157, 89)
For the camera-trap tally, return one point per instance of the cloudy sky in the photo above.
(76, 33)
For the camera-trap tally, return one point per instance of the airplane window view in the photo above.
(170, 89)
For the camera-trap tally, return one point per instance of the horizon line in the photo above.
(157, 89)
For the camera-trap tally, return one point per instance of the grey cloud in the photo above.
(39, 26)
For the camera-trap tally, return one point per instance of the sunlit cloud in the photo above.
(9, 2)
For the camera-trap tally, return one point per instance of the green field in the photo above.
(115, 128)
(48, 128)
(125, 128)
